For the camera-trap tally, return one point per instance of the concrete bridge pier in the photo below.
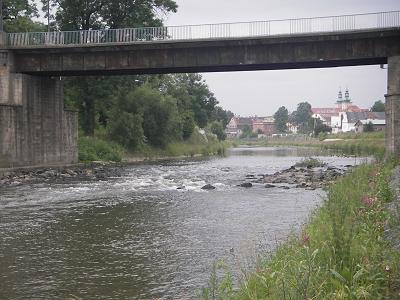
(393, 108)
(35, 129)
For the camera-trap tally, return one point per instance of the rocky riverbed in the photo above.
(84, 172)
(308, 177)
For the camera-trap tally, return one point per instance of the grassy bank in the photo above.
(340, 254)
(346, 143)
(98, 148)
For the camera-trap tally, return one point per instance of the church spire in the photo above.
(340, 96)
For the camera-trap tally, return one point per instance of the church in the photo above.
(344, 116)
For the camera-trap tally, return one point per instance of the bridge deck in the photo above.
(271, 28)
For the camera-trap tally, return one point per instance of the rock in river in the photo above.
(246, 184)
(208, 187)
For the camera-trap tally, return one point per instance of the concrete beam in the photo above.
(262, 53)
(393, 108)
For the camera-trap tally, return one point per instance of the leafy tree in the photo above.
(192, 93)
(369, 127)
(217, 128)
(126, 129)
(321, 128)
(247, 132)
(378, 106)
(303, 117)
(188, 124)
(97, 14)
(281, 119)
(224, 116)
(17, 16)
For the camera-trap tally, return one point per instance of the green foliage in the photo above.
(17, 16)
(369, 127)
(247, 132)
(94, 149)
(302, 117)
(219, 286)
(341, 253)
(378, 106)
(193, 94)
(188, 124)
(94, 14)
(281, 119)
(217, 129)
(310, 163)
(126, 129)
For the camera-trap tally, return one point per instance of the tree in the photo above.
(103, 14)
(17, 16)
(378, 106)
(321, 128)
(188, 124)
(126, 129)
(369, 127)
(303, 117)
(217, 128)
(192, 93)
(281, 119)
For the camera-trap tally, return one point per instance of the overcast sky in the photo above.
(263, 92)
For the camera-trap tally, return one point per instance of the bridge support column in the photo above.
(393, 108)
(34, 127)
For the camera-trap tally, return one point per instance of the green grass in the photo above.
(99, 148)
(96, 149)
(351, 143)
(310, 162)
(340, 254)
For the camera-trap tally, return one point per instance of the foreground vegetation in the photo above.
(99, 148)
(340, 254)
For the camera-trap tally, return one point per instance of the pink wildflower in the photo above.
(306, 239)
(368, 201)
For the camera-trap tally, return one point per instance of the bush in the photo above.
(93, 149)
(217, 129)
(126, 129)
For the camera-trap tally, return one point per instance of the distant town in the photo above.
(344, 116)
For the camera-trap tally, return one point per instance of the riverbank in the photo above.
(100, 149)
(341, 254)
(345, 143)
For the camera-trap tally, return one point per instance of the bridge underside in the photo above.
(35, 129)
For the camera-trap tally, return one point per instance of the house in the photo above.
(346, 121)
(292, 128)
(266, 125)
(377, 124)
(236, 125)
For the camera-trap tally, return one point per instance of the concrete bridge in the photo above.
(36, 129)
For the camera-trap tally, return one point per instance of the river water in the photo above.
(139, 236)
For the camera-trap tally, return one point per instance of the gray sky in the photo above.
(263, 92)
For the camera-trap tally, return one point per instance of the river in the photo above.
(140, 237)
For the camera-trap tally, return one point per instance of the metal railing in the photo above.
(208, 31)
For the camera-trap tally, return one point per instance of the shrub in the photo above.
(93, 149)
(126, 129)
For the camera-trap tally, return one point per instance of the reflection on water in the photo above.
(139, 236)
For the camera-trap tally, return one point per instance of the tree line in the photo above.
(131, 110)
